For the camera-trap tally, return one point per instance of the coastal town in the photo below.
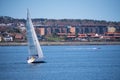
(60, 30)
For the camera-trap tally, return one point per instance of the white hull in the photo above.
(30, 60)
(35, 60)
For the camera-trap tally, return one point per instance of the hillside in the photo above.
(61, 22)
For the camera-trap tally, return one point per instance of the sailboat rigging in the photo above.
(34, 48)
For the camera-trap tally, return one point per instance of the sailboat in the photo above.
(34, 48)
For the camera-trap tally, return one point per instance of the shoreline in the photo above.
(59, 43)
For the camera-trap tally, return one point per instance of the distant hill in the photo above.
(7, 19)
(75, 22)
(61, 22)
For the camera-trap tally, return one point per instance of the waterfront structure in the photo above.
(48, 31)
(111, 29)
(72, 30)
(112, 36)
(18, 37)
(41, 31)
(8, 38)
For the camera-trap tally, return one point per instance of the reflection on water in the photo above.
(89, 62)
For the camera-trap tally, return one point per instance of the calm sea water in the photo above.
(89, 62)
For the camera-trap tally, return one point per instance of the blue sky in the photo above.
(108, 10)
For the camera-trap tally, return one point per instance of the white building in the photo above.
(8, 38)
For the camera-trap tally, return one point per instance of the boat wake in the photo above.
(94, 48)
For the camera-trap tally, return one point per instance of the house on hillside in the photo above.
(18, 37)
(8, 38)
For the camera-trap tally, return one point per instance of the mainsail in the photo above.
(33, 44)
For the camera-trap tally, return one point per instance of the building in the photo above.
(64, 30)
(48, 31)
(8, 38)
(62, 34)
(41, 31)
(18, 37)
(112, 36)
(111, 29)
(72, 30)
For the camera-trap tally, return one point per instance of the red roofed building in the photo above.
(112, 36)
(62, 34)
(82, 35)
(18, 37)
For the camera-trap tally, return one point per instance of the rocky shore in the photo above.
(59, 43)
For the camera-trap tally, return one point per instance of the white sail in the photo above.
(33, 44)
